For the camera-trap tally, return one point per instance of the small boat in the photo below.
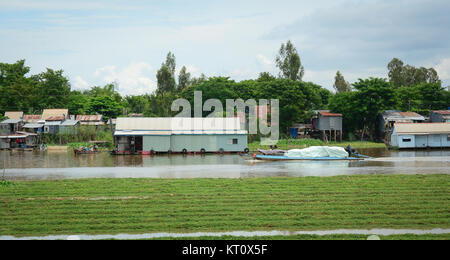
(272, 152)
(286, 158)
(76, 151)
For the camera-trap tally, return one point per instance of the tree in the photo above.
(340, 85)
(105, 106)
(184, 79)
(265, 76)
(408, 75)
(53, 89)
(288, 61)
(166, 75)
(361, 107)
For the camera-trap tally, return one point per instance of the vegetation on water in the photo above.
(408, 89)
(110, 206)
(84, 135)
(286, 144)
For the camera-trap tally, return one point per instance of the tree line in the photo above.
(408, 89)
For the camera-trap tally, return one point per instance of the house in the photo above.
(327, 124)
(18, 140)
(34, 128)
(51, 113)
(96, 120)
(18, 115)
(387, 119)
(10, 126)
(440, 116)
(147, 135)
(426, 135)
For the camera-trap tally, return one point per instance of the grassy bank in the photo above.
(286, 144)
(96, 206)
(316, 237)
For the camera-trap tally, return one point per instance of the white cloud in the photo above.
(132, 80)
(443, 69)
(80, 83)
(266, 63)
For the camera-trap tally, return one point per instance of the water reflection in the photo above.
(61, 165)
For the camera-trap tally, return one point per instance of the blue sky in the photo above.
(97, 42)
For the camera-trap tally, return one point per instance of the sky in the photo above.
(99, 42)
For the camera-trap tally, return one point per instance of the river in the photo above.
(26, 165)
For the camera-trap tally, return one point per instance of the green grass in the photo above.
(109, 206)
(316, 237)
(286, 144)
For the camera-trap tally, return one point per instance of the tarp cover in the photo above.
(318, 151)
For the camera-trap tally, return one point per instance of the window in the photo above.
(235, 141)
(448, 138)
(406, 140)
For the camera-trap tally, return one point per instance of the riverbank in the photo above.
(136, 206)
(287, 144)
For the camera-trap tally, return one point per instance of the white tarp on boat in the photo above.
(318, 151)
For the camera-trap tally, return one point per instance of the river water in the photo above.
(28, 165)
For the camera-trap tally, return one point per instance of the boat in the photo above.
(272, 152)
(287, 158)
(76, 152)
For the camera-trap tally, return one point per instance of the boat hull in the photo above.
(285, 158)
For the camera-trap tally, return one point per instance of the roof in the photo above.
(422, 128)
(92, 123)
(52, 123)
(398, 116)
(55, 118)
(31, 118)
(69, 123)
(17, 135)
(442, 112)
(325, 113)
(89, 117)
(177, 125)
(47, 113)
(14, 114)
(11, 121)
(30, 125)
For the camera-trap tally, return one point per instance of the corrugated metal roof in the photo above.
(69, 123)
(442, 112)
(11, 121)
(55, 118)
(14, 114)
(324, 113)
(422, 128)
(55, 112)
(33, 125)
(398, 116)
(92, 123)
(158, 126)
(89, 117)
(31, 118)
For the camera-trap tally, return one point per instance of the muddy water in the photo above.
(64, 165)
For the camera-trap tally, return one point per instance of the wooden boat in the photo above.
(286, 158)
(76, 152)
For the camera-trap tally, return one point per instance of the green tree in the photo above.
(184, 79)
(288, 61)
(265, 76)
(340, 85)
(77, 103)
(407, 75)
(53, 89)
(104, 105)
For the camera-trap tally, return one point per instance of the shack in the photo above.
(52, 124)
(10, 126)
(18, 140)
(386, 121)
(34, 128)
(179, 135)
(425, 135)
(328, 125)
(440, 116)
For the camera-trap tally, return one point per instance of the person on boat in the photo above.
(349, 150)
